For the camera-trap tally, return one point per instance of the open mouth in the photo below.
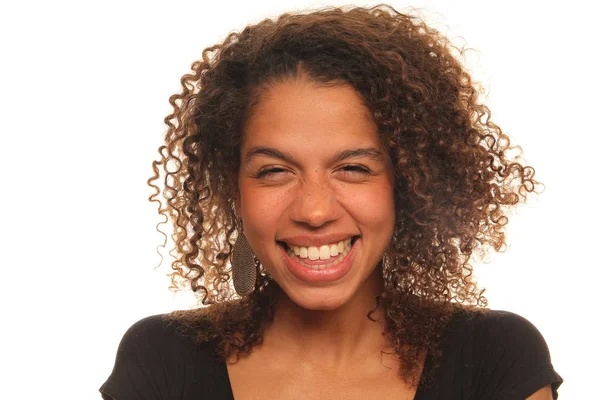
(288, 248)
(324, 262)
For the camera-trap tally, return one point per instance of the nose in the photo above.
(315, 203)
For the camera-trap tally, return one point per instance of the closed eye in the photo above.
(269, 172)
(350, 169)
(356, 169)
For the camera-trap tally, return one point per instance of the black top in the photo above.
(496, 355)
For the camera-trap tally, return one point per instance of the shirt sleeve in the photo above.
(145, 366)
(511, 356)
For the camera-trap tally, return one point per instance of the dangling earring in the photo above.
(243, 267)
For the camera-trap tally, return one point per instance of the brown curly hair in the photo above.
(454, 179)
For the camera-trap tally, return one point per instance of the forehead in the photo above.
(299, 113)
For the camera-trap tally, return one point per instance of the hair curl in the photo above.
(454, 178)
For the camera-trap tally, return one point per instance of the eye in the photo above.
(353, 170)
(269, 172)
(357, 170)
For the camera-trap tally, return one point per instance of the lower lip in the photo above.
(328, 274)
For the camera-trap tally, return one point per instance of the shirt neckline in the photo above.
(224, 372)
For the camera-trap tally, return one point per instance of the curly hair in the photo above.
(454, 179)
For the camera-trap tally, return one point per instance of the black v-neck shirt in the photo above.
(492, 355)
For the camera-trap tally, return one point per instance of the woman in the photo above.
(338, 167)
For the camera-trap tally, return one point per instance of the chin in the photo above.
(320, 299)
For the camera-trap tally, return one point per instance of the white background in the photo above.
(83, 91)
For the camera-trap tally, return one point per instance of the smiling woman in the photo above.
(334, 173)
(326, 169)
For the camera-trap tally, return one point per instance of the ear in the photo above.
(237, 196)
(238, 207)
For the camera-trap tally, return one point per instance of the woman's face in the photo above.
(313, 174)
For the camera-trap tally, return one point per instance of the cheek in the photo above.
(261, 209)
(372, 206)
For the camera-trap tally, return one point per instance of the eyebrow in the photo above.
(369, 152)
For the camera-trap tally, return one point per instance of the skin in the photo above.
(308, 195)
(320, 344)
(320, 329)
(544, 393)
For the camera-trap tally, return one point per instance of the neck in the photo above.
(333, 337)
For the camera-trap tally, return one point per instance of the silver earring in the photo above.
(243, 267)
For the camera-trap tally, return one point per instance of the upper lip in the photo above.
(316, 240)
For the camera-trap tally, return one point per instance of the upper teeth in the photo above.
(323, 252)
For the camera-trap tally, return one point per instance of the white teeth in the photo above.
(303, 252)
(333, 250)
(315, 250)
(323, 252)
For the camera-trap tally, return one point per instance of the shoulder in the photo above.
(155, 360)
(150, 328)
(153, 335)
(502, 330)
(167, 336)
(506, 330)
(503, 335)
(509, 355)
